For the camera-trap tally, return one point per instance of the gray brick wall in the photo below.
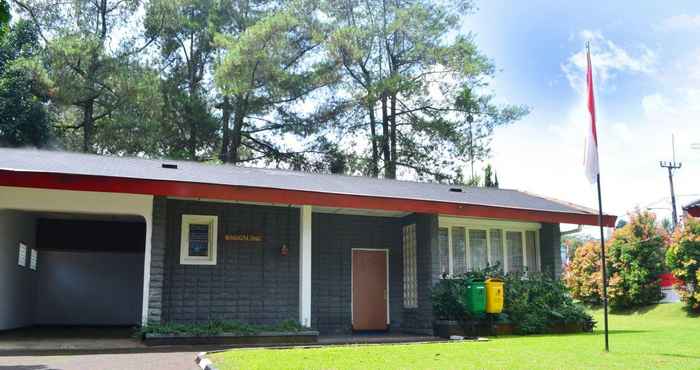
(420, 320)
(158, 238)
(334, 237)
(550, 249)
(251, 281)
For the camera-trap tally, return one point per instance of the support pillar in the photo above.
(305, 266)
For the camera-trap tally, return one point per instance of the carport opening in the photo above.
(89, 271)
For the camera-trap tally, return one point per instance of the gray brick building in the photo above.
(186, 242)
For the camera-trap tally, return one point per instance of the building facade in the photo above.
(111, 241)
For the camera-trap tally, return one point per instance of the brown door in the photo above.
(369, 294)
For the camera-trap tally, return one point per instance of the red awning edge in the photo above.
(47, 180)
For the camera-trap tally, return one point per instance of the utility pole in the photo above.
(672, 166)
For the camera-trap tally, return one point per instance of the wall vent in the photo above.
(171, 166)
(456, 190)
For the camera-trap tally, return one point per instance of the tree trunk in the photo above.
(392, 137)
(88, 125)
(385, 138)
(374, 166)
(192, 143)
(225, 155)
(236, 138)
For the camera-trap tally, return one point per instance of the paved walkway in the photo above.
(122, 361)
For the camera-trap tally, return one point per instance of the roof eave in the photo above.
(112, 184)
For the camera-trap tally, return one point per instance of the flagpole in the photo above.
(602, 234)
(602, 257)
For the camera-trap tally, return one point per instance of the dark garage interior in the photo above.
(89, 270)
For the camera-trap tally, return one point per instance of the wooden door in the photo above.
(369, 290)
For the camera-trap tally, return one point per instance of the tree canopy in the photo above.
(384, 88)
(24, 89)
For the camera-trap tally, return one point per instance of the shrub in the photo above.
(683, 258)
(635, 259)
(535, 303)
(218, 327)
(583, 274)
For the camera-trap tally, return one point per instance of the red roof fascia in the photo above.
(693, 211)
(269, 195)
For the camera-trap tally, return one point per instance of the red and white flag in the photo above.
(590, 159)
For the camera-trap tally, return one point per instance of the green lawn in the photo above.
(660, 337)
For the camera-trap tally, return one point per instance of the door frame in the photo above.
(388, 293)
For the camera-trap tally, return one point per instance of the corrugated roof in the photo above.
(30, 160)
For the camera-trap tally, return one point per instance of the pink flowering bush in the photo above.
(683, 258)
(635, 260)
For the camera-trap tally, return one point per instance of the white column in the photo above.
(147, 269)
(305, 266)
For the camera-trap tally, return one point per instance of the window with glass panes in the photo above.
(464, 247)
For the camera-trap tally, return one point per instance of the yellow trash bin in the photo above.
(494, 295)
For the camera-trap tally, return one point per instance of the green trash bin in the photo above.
(475, 297)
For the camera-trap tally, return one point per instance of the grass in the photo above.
(662, 336)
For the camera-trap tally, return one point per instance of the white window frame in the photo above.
(487, 225)
(187, 220)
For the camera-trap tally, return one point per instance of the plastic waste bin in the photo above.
(494, 295)
(475, 296)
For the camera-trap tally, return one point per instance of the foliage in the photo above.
(636, 259)
(447, 300)
(24, 89)
(268, 70)
(184, 32)
(634, 256)
(534, 303)
(412, 83)
(490, 177)
(4, 17)
(583, 274)
(379, 88)
(89, 55)
(683, 259)
(218, 327)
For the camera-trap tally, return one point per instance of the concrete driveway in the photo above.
(77, 348)
(119, 361)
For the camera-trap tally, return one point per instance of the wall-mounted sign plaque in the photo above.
(244, 237)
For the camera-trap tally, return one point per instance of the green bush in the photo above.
(635, 259)
(218, 327)
(535, 302)
(448, 294)
(683, 258)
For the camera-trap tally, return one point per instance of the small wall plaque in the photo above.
(244, 237)
(33, 256)
(22, 255)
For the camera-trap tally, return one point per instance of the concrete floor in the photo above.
(120, 361)
(78, 348)
(66, 339)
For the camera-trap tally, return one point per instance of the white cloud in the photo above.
(608, 61)
(681, 22)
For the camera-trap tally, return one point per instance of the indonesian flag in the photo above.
(590, 159)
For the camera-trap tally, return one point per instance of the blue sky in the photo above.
(646, 58)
